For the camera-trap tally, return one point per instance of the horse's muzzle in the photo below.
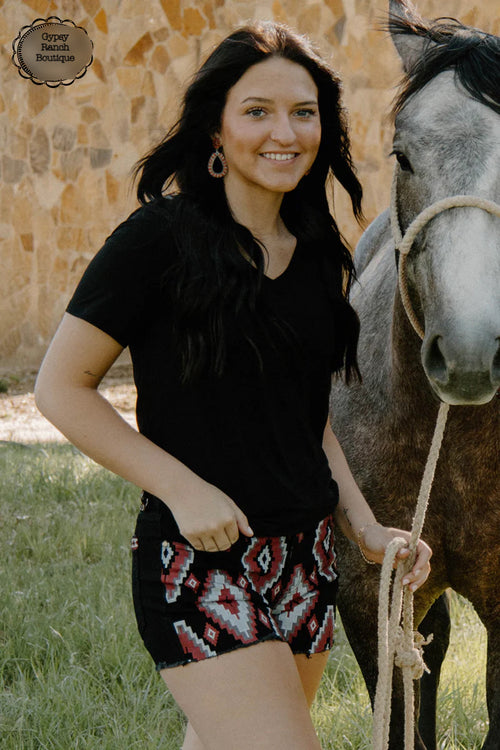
(459, 375)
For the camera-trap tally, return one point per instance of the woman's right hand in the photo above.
(207, 517)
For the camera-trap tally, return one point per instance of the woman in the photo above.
(230, 286)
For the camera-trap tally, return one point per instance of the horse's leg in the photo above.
(437, 621)
(492, 741)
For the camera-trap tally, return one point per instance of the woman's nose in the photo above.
(282, 131)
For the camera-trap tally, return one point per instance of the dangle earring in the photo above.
(217, 155)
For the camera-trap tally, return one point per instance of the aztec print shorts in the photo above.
(193, 605)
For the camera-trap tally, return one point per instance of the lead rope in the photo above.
(397, 642)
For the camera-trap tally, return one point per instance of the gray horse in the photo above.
(446, 142)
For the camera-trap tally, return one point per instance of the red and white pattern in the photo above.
(192, 582)
(313, 625)
(242, 582)
(211, 634)
(176, 560)
(324, 636)
(264, 561)
(296, 604)
(323, 550)
(263, 618)
(191, 644)
(229, 606)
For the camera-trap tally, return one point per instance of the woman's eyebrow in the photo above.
(263, 100)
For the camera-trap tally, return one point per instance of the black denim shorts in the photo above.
(193, 605)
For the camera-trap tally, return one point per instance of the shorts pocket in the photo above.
(229, 559)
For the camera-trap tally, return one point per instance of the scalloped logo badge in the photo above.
(52, 51)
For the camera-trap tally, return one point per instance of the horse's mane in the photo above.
(474, 55)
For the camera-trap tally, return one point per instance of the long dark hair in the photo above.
(210, 278)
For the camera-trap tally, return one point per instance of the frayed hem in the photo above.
(310, 654)
(189, 660)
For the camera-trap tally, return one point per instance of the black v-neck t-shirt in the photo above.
(256, 431)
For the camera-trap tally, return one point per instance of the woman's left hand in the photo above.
(373, 541)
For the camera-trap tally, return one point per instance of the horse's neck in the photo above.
(389, 348)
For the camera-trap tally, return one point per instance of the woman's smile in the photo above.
(280, 157)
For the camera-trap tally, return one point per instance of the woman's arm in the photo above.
(357, 521)
(66, 393)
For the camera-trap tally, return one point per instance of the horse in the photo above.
(446, 143)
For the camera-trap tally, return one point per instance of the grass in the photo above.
(73, 671)
(7, 381)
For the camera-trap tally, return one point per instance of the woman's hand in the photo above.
(207, 517)
(373, 540)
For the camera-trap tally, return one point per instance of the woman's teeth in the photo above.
(279, 157)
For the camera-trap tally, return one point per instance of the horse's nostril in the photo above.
(435, 363)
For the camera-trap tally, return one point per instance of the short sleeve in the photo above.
(114, 291)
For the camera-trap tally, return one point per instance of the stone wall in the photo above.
(67, 152)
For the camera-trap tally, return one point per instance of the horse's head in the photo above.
(447, 142)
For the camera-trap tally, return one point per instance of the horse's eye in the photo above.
(404, 163)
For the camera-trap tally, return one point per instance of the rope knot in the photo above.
(411, 656)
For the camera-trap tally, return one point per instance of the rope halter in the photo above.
(404, 243)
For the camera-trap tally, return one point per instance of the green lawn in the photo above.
(73, 671)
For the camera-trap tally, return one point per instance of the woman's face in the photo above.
(271, 129)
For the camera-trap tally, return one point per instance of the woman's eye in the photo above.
(403, 161)
(256, 112)
(306, 113)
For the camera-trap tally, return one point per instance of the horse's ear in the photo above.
(404, 20)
